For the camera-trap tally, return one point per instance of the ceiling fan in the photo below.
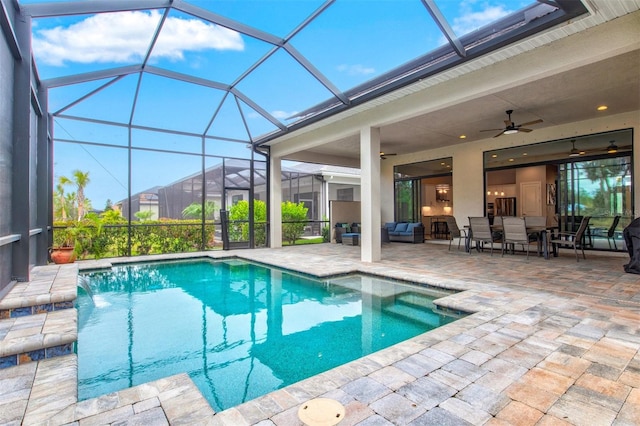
(511, 127)
(383, 156)
(612, 148)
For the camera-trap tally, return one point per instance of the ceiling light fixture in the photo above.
(510, 131)
(612, 148)
(602, 108)
(463, 136)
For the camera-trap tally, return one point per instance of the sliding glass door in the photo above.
(600, 188)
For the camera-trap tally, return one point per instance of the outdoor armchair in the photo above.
(572, 239)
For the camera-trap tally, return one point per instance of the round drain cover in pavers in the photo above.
(321, 412)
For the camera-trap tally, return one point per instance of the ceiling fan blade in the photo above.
(522, 129)
(499, 134)
(490, 130)
(529, 123)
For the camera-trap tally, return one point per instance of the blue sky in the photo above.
(351, 42)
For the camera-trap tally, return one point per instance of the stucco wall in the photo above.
(468, 175)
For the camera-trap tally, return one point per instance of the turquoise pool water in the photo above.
(239, 330)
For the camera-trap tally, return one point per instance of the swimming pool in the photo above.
(240, 330)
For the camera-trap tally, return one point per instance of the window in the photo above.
(345, 194)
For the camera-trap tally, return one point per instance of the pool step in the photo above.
(51, 288)
(415, 313)
(37, 337)
(37, 318)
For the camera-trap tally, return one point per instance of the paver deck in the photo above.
(551, 342)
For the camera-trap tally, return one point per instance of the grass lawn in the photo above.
(300, 242)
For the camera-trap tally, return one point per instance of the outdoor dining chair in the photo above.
(480, 232)
(454, 231)
(540, 224)
(514, 231)
(609, 234)
(572, 239)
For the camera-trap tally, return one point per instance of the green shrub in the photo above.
(294, 219)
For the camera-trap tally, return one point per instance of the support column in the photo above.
(275, 206)
(44, 184)
(370, 250)
(21, 175)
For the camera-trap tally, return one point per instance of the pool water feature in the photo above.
(239, 329)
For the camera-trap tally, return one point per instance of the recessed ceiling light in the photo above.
(524, 154)
(602, 108)
(494, 155)
(442, 164)
(510, 159)
(463, 136)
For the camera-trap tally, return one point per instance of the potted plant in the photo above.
(64, 250)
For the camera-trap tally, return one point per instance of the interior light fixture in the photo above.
(602, 108)
(494, 155)
(510, 131)
(462, 136)
(612, 148)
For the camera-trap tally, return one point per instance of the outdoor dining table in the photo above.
(542, 231)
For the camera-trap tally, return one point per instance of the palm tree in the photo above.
(60, 200)
(81, 179)
(194, 210)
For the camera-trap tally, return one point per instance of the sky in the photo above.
(350, 42)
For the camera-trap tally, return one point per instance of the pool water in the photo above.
(240, 330)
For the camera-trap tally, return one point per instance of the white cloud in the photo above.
(282, 115)
(126, 36)
(473, 20)
(357, 69)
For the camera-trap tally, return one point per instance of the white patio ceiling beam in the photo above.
(46, 10)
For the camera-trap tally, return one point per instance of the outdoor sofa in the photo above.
(405, 232)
